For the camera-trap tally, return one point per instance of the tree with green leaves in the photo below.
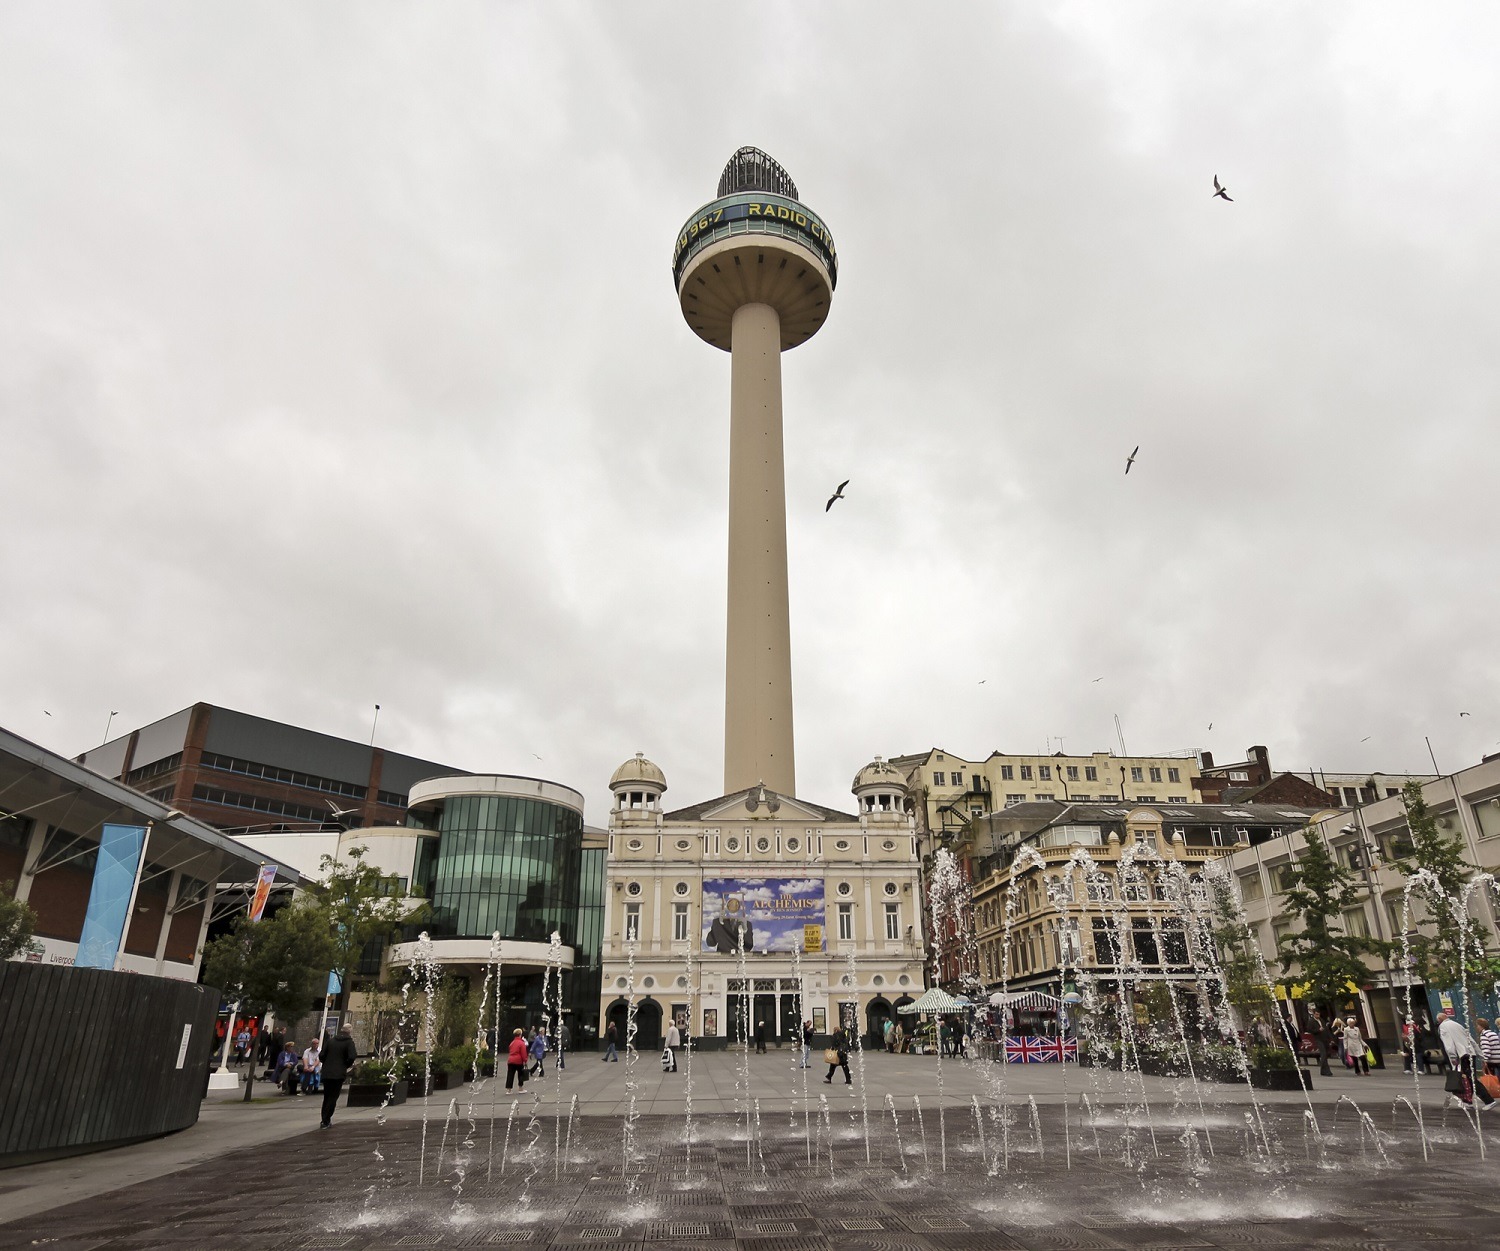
(17, 923)
(362, 908)
(1327, 959)
(1444, 952)
(1239, 958)
(278, 964)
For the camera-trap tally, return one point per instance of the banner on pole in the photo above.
(262, 890)
(119, 860)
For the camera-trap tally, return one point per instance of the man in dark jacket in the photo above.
(338, 1056)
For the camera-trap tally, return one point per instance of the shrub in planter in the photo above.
(1272, 1058)
(370, 1083)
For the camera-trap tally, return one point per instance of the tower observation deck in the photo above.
(755, 271)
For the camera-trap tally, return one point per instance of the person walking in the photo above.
(563, 1039)
(334, 1062)
(888, 1035)
(1489, 1047)
(674, 1040)
(1411, 1043)
(517, 1060)
(610, 1035)
(241, 1046)
(1323, 1035)
(760, 1038)
(1464, 1056)
(838, 1056)
(807, 1036)
(1354, 1049)
(539, 1054)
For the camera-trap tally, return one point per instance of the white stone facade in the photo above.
(855, 876)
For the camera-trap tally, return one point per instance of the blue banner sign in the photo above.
(763, 914)
(120, 848)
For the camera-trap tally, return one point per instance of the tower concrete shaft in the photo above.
(758, 744)
(755, 271)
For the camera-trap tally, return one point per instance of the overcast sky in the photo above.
(340, 364)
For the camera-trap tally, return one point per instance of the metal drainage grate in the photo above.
(420, 1240)
(942, 1224)
(508, 1237)
(861, 1223)
(776, 1227)
(684, 1229)
(329, 1240)
(602, 1231)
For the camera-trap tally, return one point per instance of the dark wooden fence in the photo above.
(92, 1059)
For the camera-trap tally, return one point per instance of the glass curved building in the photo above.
(510, 856)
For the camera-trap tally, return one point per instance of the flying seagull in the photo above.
(1220, 192)
(341, 812)
(837, 495)
(1100, 678)
(1130, 460)
(1367, 738)
(1210, 725)
(982, 681)
(1463, 714)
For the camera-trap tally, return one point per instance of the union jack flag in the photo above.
(1035, 1049)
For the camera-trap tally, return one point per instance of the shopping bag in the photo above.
(1369, 1055)
(830, 1056)
(1454, 1083)
(1491, 1083)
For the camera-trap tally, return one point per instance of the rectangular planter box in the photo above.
(1281, 1079)
(440, 1081)
(372, 1094)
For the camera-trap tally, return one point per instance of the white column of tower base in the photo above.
(758, 674)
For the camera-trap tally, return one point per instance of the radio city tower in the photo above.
(755, 272)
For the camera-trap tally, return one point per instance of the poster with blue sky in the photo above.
(768, 913)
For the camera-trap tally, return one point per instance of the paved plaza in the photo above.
(517, 1171)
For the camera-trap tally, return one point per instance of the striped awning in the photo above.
(1026, 1001)
(935, 1000)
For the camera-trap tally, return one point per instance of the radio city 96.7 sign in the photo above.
(764, 210)
(762, 914)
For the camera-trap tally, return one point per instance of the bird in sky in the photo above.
(1100, 678)
(340, 812)
(538, 757)
(982, 681)
(1130, 460)
(1463, 714)
(837, 495)
(1366, 738)
(45, 713)
(1210, 725)
(1220, 192)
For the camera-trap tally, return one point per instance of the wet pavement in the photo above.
(1231, 1176)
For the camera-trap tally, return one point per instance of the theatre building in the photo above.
(758, 908)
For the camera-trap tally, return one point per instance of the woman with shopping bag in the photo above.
(837, 1056)
(1354, 1049)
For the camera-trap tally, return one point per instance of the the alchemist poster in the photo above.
(763, 913)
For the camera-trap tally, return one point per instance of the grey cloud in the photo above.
(340, 364)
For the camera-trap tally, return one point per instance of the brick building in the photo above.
(241, 772)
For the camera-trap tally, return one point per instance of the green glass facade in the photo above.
(518, 867)
(508, 865)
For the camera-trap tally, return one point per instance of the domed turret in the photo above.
(638, 784)
(880, 787)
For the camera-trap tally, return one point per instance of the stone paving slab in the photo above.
(332, 1190)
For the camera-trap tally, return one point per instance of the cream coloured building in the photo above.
(759, 907)
(949, 791)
